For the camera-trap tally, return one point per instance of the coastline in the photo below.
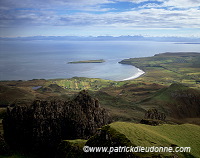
(138, 74)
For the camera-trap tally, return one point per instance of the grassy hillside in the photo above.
(131, 134)
(185, 135)
(9, 94)
(71, 149)
(125, 100)
(177, 101)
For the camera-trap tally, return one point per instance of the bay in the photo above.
(26, 60)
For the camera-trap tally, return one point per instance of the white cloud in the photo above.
(70, 4)
(74, 14)
(138, 1)
(133, 1)
(181, 3)
(145, 18)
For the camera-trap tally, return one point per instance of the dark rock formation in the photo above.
(150, 122)
(43, 124)
(153, 117)
(4, 149)
(154, 114)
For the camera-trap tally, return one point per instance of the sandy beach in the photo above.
(140, 72)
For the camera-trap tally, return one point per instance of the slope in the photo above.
(177, 101)
(185, 135)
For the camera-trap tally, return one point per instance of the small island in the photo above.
(87, 61)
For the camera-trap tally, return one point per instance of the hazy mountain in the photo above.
(106, 38)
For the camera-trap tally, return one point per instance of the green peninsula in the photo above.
(87, 61)
(167, 68)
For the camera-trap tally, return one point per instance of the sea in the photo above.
(46, 59)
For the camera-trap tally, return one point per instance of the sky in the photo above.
(22, 18)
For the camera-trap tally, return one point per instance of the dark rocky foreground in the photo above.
(41, 125)
(4, 149)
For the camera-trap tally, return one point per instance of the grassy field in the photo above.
(185, 135)
(167, 68)
(80, 83)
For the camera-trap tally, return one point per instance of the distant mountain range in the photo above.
(107, 38)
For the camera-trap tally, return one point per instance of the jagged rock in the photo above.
(43, 124)
(154, 114)
(150, 122)
(153, 117)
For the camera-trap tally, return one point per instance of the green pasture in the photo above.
(166, 135)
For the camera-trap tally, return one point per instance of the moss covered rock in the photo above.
(109, 137)
(71, 149)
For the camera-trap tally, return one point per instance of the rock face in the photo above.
(43, 124)
(153, 117)
(154, 114)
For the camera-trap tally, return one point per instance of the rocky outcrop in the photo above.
(151, 122)
(154, 114)
(153, 117)
(43, 124)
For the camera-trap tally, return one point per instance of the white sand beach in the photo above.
(140, 72)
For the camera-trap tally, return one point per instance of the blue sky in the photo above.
(99, 17)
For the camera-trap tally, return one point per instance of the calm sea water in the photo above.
(25, 60)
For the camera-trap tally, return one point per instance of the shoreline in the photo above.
(138, 74)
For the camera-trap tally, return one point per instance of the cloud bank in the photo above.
(29, 17)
